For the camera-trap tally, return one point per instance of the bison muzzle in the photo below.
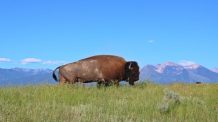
(103, 69)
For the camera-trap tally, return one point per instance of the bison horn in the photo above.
(130, 65)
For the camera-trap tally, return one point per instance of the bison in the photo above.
(103, 69)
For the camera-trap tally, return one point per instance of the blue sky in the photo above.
(48, 33)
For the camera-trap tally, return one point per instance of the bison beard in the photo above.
(101, 68)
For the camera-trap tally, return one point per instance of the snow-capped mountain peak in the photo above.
(170, 72)
(160, 68)
(167, 64)
(192, 66)
(215, 70)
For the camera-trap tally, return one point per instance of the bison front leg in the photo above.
(101, 83)
(116, 82)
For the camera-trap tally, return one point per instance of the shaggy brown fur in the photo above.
(101, 69)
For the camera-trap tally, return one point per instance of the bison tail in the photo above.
(54, 75)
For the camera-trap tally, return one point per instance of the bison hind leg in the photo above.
(99, 84)
(62, 80)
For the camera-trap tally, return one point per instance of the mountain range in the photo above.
(165, 73)
(170, 72)
(21, 76)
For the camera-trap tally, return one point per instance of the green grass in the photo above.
(145, 102)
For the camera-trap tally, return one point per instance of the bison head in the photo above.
(131, 72)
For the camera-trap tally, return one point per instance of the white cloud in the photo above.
(5, 60)
(186, 63)
(31, 60)
(151, 41)
(49, 62)
(40, 61)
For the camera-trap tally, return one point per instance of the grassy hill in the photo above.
(144, 102)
